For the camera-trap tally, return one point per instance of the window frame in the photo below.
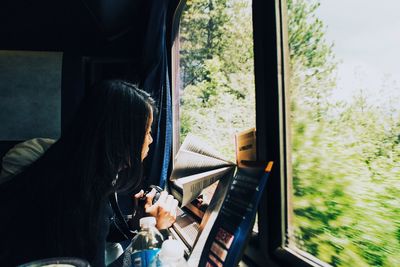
(272, 56)
(270, 67)
(175, 81)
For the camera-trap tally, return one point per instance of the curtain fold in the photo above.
(154, 74)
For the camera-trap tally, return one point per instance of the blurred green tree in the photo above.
(345, 156)
(217, 71)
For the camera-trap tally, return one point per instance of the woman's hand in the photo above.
(164, 210)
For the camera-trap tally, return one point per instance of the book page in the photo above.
(196, 145)
(189, 163)
(203, 200)
(194, 184)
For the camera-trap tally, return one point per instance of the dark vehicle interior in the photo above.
(76, 43)
(217, 68)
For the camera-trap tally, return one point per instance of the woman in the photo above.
(59, 205)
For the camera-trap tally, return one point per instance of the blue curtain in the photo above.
(154, 74)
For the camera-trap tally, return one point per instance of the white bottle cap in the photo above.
(172, 249)
(146, 222)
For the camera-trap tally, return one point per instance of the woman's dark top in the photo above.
(29, 230)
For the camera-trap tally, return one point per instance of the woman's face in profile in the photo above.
(147, 139)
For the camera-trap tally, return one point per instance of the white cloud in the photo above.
(366, 37)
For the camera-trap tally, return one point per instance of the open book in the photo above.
(196, 166)
(202, 180)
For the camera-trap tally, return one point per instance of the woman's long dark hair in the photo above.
(109, 131)
(99, 154)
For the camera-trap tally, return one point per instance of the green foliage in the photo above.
(345, 155)
(312, 61)
(218, 98)
(202, 37)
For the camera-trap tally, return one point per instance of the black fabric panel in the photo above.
(47, 25)
(72, 87)
(114, 16)
(88, 27)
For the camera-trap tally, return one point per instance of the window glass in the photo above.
(344, 124)
(216, 73)
(30, 94)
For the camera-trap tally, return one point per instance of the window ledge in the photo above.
(298, 258)
(253, 256)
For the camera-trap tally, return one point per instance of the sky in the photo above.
(366, 37)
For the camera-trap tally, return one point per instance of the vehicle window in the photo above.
(214, 89)
(344, 123)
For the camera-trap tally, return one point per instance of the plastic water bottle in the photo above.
(170, 255)
(146, 244)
